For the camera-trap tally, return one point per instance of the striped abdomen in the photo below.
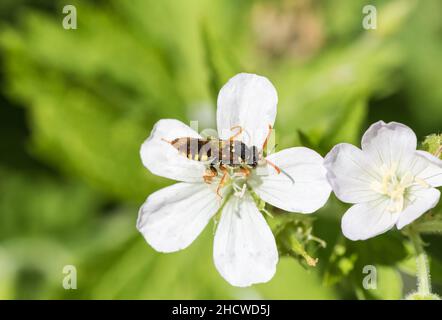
(196, 149)
(232, 153)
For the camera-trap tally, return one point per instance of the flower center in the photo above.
(233, 177)
(238, 177)
(239, 187)
(395, 186)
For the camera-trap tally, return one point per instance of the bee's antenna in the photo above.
(268, 137)
(274, 166)
(288, 176)
(279, 170)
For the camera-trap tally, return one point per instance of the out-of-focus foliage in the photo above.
(77, 104)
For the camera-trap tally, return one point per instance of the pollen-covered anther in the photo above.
(239, 191)
(395, 186)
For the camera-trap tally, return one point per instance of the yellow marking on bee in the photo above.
(196, 157)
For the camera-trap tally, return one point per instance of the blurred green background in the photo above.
(75, 105)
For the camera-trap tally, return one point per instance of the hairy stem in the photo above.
(430, 227)
(423, 268)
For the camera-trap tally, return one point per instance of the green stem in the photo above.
(423, 268)
(430, 227)
(298, 248)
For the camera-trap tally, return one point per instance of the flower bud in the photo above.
(433, 145)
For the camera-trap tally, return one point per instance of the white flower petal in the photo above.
(389, 143)
(249, 101)
(244, 248)
(422, 200)
(351, 174)
(432, 171)
(368, 219)
(162, 159)
(173, 217)
(302, 185)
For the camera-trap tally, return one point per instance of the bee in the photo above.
(223, 155)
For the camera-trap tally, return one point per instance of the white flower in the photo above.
(388, 181)
(244, 247)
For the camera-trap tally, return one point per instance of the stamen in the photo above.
(395, 187)
(422, 182)
(240, 193)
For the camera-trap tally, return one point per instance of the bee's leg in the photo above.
(245, 171)
(274, 166)
(236, 134)
(222, 181)
(268, 137)
(210, 174)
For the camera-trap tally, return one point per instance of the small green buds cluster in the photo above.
(295, 239)
(433, 145)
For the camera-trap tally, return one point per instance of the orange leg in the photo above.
(245, 171)
(222, 182)
(274, 166)
(236, 134)
(209, 175)
(267, 138)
